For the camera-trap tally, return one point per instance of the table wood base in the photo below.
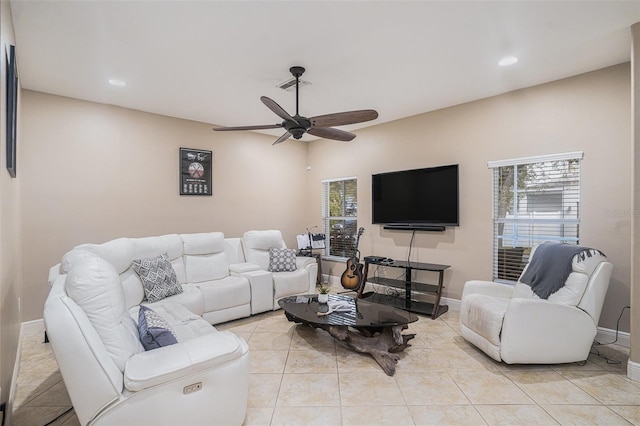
(382, 343)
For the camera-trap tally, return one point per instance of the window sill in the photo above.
(335, 258)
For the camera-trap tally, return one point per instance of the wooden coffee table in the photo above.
(378, 328)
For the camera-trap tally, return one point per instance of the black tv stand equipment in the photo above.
(434, 309)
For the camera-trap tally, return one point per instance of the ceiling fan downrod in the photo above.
(297, 73)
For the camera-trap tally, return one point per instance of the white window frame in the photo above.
(326, 218)
(531, 222)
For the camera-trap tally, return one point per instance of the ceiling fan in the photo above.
(298, 125)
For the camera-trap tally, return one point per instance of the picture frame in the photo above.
(12, 109)
(196, 167)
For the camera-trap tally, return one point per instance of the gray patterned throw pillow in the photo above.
(154, 331)
(282, 259)
(158, 277)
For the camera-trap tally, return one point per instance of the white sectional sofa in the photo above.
(96, 325)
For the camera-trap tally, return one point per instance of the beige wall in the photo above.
(10, 260)
(92, 172)
(633, 368)
(589, 113)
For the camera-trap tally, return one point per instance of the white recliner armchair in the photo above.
(513, 324)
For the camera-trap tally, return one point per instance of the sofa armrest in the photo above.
(488, 288)
(240, 268)
(162, 365)
(539, 331)
(261, 283)
(304, 261)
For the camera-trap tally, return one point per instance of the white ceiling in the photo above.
(210, 61)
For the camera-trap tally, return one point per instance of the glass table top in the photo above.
(360, 313)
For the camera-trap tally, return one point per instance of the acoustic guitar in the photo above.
(352, 277)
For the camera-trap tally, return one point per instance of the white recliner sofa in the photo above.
(93, 320)
(512, 324)
(300, 279)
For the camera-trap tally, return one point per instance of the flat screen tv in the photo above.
(416, 199)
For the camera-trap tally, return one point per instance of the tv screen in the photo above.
(424, 197)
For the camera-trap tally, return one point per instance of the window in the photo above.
(535, 199)
(340, 216)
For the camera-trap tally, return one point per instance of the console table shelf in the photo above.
(408, 285)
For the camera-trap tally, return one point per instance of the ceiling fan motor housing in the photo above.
(298, 127)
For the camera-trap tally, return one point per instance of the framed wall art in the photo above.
(195, 171)
(12, 109)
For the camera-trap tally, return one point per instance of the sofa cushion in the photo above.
(171, 244)
(203, 243)
(94, 284)
(158, 277)
(263, 240)
(282, 259)
(185, 324)
(225, 293)
(206, 267)
(205, 256)
(257, 245)
(190, 298)
(118, 252)
(154, 331)
(484, 314)
(288, 283)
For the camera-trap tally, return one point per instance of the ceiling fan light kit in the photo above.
(320, 126)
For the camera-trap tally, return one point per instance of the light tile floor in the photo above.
(300, 376)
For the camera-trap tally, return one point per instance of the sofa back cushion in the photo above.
(170, 244)
(118, 252)
(205, 257)
(582, 268)
(94, 284)
(234, 250)
(121, 253)
(257, 244)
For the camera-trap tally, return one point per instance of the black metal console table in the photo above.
(433, 309)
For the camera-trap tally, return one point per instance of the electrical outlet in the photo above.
(192, 388)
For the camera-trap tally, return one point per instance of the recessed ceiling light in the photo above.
(116, 82)
(507, 60)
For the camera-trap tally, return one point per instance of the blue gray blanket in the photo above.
(550, 267)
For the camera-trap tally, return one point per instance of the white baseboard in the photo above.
(607, 336)
(14, 376)
(454, 304)
(633, 371)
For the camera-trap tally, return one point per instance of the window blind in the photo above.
(535, 199)
(340, 216)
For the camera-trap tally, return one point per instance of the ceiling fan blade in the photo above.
(329, 133)
(343, 118)
(277, 109)
(266, 126)
(282, 138)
